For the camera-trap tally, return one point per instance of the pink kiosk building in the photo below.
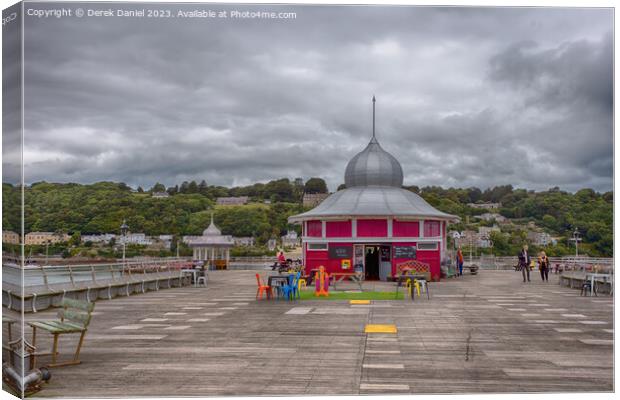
(374, 225)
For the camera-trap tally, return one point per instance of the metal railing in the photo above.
(567, 263)
(45, 286)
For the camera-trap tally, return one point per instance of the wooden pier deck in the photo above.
(488, 333)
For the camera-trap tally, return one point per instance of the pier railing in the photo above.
(45, 286)
(566, 263)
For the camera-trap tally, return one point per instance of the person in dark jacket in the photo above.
(543, 264)
(459, 262)
(524, 262)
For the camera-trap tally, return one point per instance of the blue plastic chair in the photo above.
(291, 290)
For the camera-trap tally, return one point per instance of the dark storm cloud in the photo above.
(465, 96)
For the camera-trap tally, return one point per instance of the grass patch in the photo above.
(309, 295)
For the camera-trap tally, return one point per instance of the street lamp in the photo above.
(576, 239)
(124, 230)
(47, 243)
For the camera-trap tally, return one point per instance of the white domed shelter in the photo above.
(212, 247)
(374, 224)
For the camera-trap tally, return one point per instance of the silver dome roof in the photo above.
(376, 201)
(211, 230)
(373, 167)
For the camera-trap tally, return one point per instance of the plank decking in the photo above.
(484, 333)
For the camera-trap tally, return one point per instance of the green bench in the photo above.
(74, 317)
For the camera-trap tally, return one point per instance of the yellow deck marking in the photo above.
(359, 302)
(373, 328)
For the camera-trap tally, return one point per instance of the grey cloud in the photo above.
(461, 99)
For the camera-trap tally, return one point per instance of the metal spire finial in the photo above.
(373, 117)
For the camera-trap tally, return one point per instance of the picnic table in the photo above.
(338, 277)
(277, 281)
(192, 271)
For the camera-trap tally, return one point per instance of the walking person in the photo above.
(524, 262)
(543, 264)
(459, 262)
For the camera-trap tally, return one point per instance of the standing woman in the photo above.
(524, 262)
(459, 262)
(543, 264)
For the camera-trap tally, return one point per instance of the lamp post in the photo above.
(124, 230)
(576, 239)
(47, 243)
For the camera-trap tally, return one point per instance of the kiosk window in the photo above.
(317, 246)
(428, 246)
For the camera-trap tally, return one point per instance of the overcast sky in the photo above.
(465, 96)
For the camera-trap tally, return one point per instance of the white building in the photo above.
(484, 206)
(491, 216)
(136, 238)
(160, 195)
(291, 239)
(101, 238)
(246, 241)
(540, 238)
(212, 247)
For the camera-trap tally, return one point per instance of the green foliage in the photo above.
(101, 208)
(557, 211)
(316, 185)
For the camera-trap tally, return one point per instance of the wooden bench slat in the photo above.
(82, 305)
(57, 327)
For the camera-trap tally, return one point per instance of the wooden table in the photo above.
(193, 272)
(337, 277)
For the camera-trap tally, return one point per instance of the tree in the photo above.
(75, 239)
(315, 185)
(341, 186)
(158, 187)
(500, 242)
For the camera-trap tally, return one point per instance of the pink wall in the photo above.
(338, 229)
(405, 228)
(372, 228)
(433, 258)
(314, 259)
(315, 228)
(431, 228)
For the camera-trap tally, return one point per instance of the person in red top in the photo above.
(281, 258)
(459, 261)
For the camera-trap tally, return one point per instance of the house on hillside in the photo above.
(485, 206)
(245, 241)
(291, 239)
(491, 216)
(314, 199)
(10, 237)
(232, 201)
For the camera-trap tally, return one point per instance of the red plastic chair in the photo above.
(262, 288)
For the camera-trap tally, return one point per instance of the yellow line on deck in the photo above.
(374, 328)
(359, 302)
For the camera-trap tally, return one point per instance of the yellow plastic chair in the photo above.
(301, 282)
(416, 284)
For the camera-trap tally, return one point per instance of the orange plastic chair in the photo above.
(262, 288)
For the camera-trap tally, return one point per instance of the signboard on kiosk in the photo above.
(385, 253)
(340, 252)
(405, 252)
